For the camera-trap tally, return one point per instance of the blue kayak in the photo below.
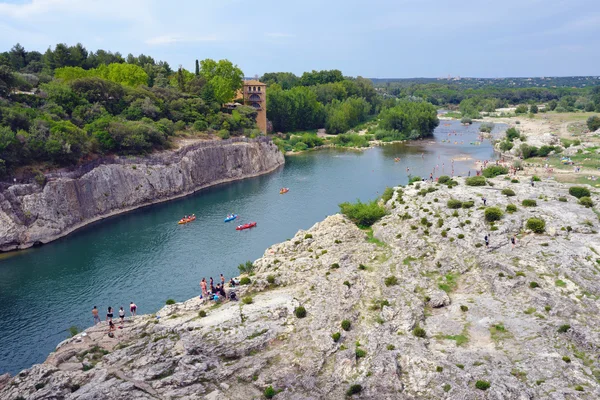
(234, 216)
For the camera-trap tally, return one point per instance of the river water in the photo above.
(146, 257)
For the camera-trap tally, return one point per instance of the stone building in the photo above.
(255, 95)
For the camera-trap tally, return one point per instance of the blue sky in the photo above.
(376, 38)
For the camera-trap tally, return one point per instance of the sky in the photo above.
(374, 39)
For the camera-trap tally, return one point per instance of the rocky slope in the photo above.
(31, 214)
(482, 316)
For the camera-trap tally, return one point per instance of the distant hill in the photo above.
(475, 83)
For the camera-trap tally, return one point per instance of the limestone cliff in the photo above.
(431, 313)
(31, 214)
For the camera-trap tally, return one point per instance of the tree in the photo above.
(7, 81)
(593, 123)
(521, 109)
(224, 78)
(533, 109)
(18, 57)
(197, 68)
(552, 105)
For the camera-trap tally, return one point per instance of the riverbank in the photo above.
(31, 214)
(425, 318)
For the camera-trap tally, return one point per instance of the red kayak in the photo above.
(245, 226)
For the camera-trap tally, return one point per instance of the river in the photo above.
(146, 257)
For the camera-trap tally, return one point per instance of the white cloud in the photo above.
(171, 39)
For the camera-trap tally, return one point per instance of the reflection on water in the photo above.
(146, 257)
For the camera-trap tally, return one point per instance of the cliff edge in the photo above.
(31, 214)
(419, 308)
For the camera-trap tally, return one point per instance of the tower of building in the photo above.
(255, 95)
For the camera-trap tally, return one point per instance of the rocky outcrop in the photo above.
(31, 214)
(525, 320)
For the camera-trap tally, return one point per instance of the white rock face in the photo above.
(31, 214)
(482, 317)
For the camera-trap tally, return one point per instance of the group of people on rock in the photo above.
(110, 314)
(217, 293)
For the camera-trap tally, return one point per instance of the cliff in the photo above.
(32, 214)
(432, 313)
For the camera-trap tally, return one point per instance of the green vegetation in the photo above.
(387, 194)
(593, 123)
(494, 170)
(564, 328)
(454, 204)
(245, 281)
(464, 308)
(533, 285)
(363, 214)
(419, 332)
(246, 268)
(354, 389)
(493, 214)
(579, 191)
(73, 330)
(476, 181)
(170, 302)
(529, 203)
(300, 312)
(201, 313)
(269, 392)
(346, 324)
(247, 300)
(482, 385)
(586, 201)
(508, 192)
(336, 337)
(391, 281)
(537, 225)
(407, 120)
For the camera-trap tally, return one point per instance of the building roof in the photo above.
(254, 82)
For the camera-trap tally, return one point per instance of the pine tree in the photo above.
(197, 68)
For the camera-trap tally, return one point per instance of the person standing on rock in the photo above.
(222, 281)
(122, 315)
(96, 316)
(484, 200)
(132, 309)
(203, 287)
(487, 241)
(109, 314)
(513, 240)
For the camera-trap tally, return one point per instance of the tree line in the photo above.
(69, 105)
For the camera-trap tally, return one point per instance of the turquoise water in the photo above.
(146, 257)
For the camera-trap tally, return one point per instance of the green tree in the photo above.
(521, 109)
(224, 78)
(533, 109)
(197, 68)
(7, 81)
(593, 123)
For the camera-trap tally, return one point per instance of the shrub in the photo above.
(170, 302)
(360, 353)
(529, 203)
(508, 192)
(566, 359)
(246, 268)
(453, 203)
(202, 313)
(476, 181)
(468, 204)
(564, 328)
(346, 325)
(460, 236)
(482, 385)
(511, 208)
(390, 281)
(495, 170)
(593, 123)
(579, 191)
(493, 214)
(562, 199)
(464, 308)
(335, 266)
(443, 179)
(586, 201)
(514, 181)
(439, 369)
(73, 330)
(363, 214)
(245, 281)
(466, 121)
(336, 337)
(419, 332)
(308, 236)
(247, 300)
(300, 312)
(537, 225)
(354, 389)
(444, 233)
(269, 392)
(533, 285)
(486, 127)
(505, 145)
(387, 194)
(579, 388)
(271, 279)
(512, 134)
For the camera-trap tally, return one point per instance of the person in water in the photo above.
(95, 315)
(109, 314)
(132, 308)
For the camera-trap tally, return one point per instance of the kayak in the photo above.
(186, 220)
(234, 216)
(245, 226)
(284, 190)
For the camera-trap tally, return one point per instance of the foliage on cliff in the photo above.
(67, 104)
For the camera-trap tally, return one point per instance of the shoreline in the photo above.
(10, 248)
